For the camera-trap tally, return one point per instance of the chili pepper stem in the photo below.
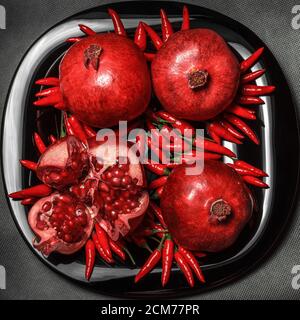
(129, 255)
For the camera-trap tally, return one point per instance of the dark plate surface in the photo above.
(278, 154)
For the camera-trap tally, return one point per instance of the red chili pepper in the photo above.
(251, 168)
(39, 191)
(48, 92)
(52, 139)
(103, 240)
(85, 29)
(118, 25)
(189, 158)
(157, 168)
(213, 135)
(60, 106)
(214, 147)
(158, 182)
(254, 90)
(29, 164)
(156, 137)
(151, 262)
(241, 125)
(77, 129)
(100, 249)
(144, 233)
(50, 100)
(242, 112)
(184, 267)
(181, 125)
(90, 132)
(255, 182)
(51, 81)
(117, 249)
(222, 132)
(231, 129)
(252, 76)
(28, 201)
(69, 129)
(159, 153)
(155, 38)
(241, 171)
(73, 39)
(249, 62)
(158, 192)
(158, 230)
(140, 37)
(149, 56)
(155, 209)
(166, 27)
(39, 143)
(185, 19)
(212, 156)
(199, 254)
(193, 263)
(90, 255)
(141, 242)
(167, 260)
(248, 100)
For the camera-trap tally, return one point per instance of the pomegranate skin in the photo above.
(188, 51)
(187, 203)
(119, 89)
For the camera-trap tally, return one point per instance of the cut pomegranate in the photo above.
(61, 222)
(95, 184)
(119, 197)
(63, 163)
(207, 211)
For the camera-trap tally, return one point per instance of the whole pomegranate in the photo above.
(103, 79)
(206, 212)
(195, 74)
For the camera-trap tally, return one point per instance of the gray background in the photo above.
(27, 276)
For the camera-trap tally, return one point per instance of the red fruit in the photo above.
(103, 79)
(61, 222)
(63, 163)
(119, 194)
(195, 74)
(101, 180)
(207, 211)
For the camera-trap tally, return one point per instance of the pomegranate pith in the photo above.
(206, 212)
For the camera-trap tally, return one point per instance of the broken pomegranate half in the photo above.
(61, 222)
(63, 163)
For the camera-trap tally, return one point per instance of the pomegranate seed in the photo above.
(116, 182)
(103, 187)
(126, 181)
(67, 238)
(118, 173)
(46, 206)
(65, 229)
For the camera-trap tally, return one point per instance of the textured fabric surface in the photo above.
(27, 276)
